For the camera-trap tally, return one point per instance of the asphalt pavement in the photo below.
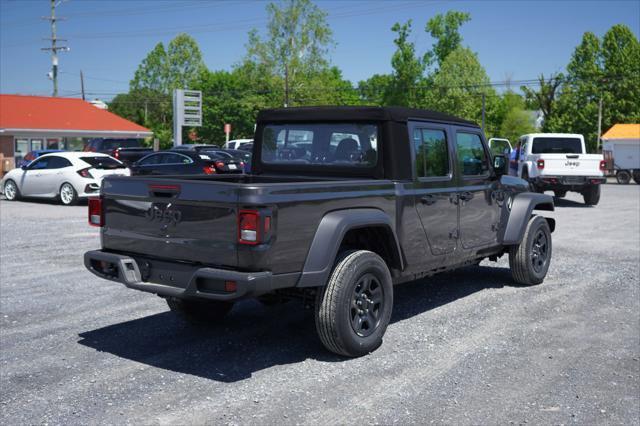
(466, 347)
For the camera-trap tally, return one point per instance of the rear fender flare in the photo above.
(330, 233)
(522, 208)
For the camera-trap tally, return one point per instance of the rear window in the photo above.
(320, 144)
(103, 162)
(556, 146)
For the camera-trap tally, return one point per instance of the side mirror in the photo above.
(24, 167)
(500, 165)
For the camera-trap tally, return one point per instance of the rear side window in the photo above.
(432, 157)
(58, 163)
(99, 162)
(472, 158)
(320, 144)
(556, 146)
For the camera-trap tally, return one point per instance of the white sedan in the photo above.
(67, 176)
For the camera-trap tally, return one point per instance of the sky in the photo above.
(514, 40)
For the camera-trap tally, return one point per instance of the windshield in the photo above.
(556, 146)
(103, 162)
(330, 144)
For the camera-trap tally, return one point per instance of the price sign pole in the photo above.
(227, 130)
(187, 112)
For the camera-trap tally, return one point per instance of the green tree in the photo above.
(445, 29)
(373, 90)
(149, 108)
(174, 68)
(296, 44)
(607, 71)
(459, 86)
(408, 70)
(516, 123)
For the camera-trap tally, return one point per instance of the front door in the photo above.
(435, 189)
(37, 178)
(478, 191)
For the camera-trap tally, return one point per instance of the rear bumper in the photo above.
(570, 183)
(172, 279)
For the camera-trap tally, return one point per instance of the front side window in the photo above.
(321, 144)
(151, 159)
(40, 164)
(472, 158)
(432, 158)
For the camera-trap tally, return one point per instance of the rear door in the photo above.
(477, 191)
(435, 188)
(179, 220)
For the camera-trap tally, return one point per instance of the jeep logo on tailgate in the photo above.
(572, 164)
(163, 215)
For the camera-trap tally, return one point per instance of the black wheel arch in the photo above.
(352, 229)
(522, 208)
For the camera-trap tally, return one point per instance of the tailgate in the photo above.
(179, 220)
(571, 165)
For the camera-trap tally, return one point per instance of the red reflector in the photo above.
(267, 224)
(230, 286)
(209, 170)
(540, 164)
(603, 165)
(248, 230)
(95, 212)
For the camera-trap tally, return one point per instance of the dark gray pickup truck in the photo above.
(342, 203)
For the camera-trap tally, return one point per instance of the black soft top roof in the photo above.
(359, 113)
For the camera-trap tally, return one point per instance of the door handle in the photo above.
(428, 200)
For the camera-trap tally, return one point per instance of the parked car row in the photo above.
(71, 176)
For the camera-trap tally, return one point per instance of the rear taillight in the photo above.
(95, 212)
(219, 164)
(116, 153)
(248, 227)
(540, 164)
(603, 165)
(85, 173)
(209, 170)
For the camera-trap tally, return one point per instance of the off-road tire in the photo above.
(521, 257)
(591, 195)
(337, 302)
(623, 177)
(16, 191)
(199, 312)
(636, 176)
(560, 194)
(69, 197)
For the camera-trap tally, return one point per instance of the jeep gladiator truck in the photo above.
(558, 162)
(342, 203)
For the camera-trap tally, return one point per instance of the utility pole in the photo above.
(483, 113)
(599, 122)
(82, 84)
(54, 45)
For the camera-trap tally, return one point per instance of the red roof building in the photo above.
(29, 123)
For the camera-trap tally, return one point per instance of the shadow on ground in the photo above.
(254, 337)
(563, 202)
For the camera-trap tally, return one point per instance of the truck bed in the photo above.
(194, 218)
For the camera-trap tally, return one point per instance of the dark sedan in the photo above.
(185, 163)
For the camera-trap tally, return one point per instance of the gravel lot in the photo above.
(465, 348)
